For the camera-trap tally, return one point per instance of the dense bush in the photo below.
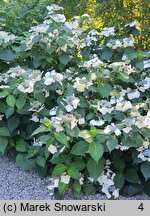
(19, 15)
(75, 104)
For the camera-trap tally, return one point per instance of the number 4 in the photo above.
(141, 207)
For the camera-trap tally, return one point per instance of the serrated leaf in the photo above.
(20, 102)
(24, 162)
(41, 161)
(11, 100)
(3, 144)
(61, 187)
(80, 148)
(64, 59)
(41, 129)
(10, 111)
(96, 150)
(61, 137)
(131, 176)
(4, 132)
(77, 186)
(74, 173)
(7, 55)
(22, 146)
(119, 180)
(13, 123)
(145, 169)
(104, 89)
(119, 164)
(112, 142)
(107, 54)
(95, 169)
(58, 170)
(79, 165)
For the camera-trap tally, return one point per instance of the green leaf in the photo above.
(101, 138)
(104, 89)
(123, 76)
(61, 187)
(74, 173)
(146, 132)
(3, 144)
(64, 59)
(132, 176)
(119, 180)
(107, 54)
(58, 170)
(95, 169)
(20, 102)
(41, 129)
(80, 148)
(10, 111)
(135, 189)
(4, 131)
(61, 137)
(147, 187)
(41, 161)
(119, 164)
(11, 100)
(7, 55)
(24, 162)
(22, 146)
(77, 186)
(79, 165)
(13, 123)
(96, 150)
(145, 169)
(112, 142)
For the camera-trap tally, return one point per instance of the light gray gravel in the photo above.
(16, 184)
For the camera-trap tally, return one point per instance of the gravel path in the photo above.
(20, 185)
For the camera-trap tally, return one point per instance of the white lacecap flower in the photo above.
(60, 18)
(81, 121)
(127, 129)
(128, 42)
(116, 193)
(134, 94)
(72, 25)
(108, 32)
(131, 24)
(81, 180)
(52, 149)
(72, 103)
(96, 122)
(146, 153)
(112, 128)
(1, 117)
(35, 118)
(84, 134)
(52, 77)
(123, 148)
(54, 8)
(146, 63)
(39, 28)
(144, 83)
(65, 179)
(52, 112)
(80, 84)
(69, 108)
(124, 57)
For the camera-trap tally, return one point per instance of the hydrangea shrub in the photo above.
(74, 103)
